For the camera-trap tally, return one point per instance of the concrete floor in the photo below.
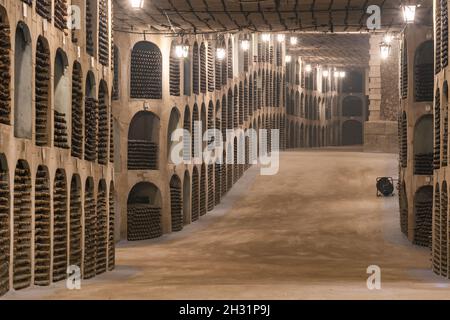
(309, 232)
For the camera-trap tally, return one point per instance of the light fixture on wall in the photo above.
(137, 4)
(293, 41)
(409, 13)
(385, 50)
(220, 53)
(265, 37)
(388, 38)
(182, 51)
(308, 68)
(288, 59)
(281, 37)
(245, 45)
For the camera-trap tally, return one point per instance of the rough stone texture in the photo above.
(316, 245)
(381, 136)
(390, 84)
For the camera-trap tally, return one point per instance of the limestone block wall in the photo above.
(56, 177)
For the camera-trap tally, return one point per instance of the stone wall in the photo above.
(389, 84)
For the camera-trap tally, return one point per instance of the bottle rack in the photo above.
(187, 139)
(102, 236)
(403, 205)
(235, 107)
(195, 135)
(229, 176)
(176, 207)
(224, 71)
(146, 74)
(142, 155)
(438, 39)
(4, 233)
(89, 29)
(195, 209)
(437, 130)
(210, 67)
(444, 232)
(144, 222)
(77, 113)
(246, 61)
(211, 202)
(241, 104)
(195, 69)
(217, 183)
(41, 91)
(61, 14)
(90, 238)
(174, 74)
(42, 229)
(203, 71)
(422, 230)
(61, 130)
(44, 8)
(404, 141)
(111, 138)
(111, 241)
(115, 89)
(90, 129)
(60, 227)
(203, 191)
(5, 79)
(103, 126)
(223, 178)
(75, 225)
(218, 74)
(424, 82)
(437, 232)
(423, 164)
(445, 140)
(444, 44)
(230, 60)
(22, 228)
(103, 33)
(223, 120)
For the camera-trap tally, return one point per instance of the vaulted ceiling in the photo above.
(203, 16)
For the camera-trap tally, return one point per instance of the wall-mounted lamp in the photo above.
(220, 53)
(281, 37)
(288, 59)
(265, 37)
(388, 38)
(409, 13)
(137, 4)
(385, 50)
(181, 51)
(293, 41)
(245, 45)
(308, 68)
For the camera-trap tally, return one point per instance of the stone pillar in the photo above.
(380, 131)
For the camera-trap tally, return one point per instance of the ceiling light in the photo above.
(288, 59)
(385, 50)
(245, 45)
(308, 68)
(325, 73)
(281, 37)
(137, 4)
(220, 53)
(409, 13)
(265, 37)
(182, 51)
(336, 74)
(342, 74)
(294, 41)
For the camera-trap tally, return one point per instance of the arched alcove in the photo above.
(352, 133)
(423, 208)
(195, 69)
(187, 137)
(403, 139)
(203, 191)
(90, 118)
(429, 233)
(91, 27)
(423, 72)
(174, 71)
(143, 139)
(103, 32)
(116, 73)
(174, 123)
(146, 71)
(176, 204)
(61, 99)
(241, 103)
(111, 228)
(186, 198)
(102, 228)
(246, 100)
(445, 124)
(187, 74)
(210, 66)
(444, 230)
(59, 226)
(230, 59)
(23, 75)
(90, 230)
(403, 204)
(42, 228)
(195, 201)
(103, 123)
(353, 82)
(5, 241)
(223, 178)
(144, 212)
(75, 229)
(42, 98)
(203, 68)
(196, 135)
(5, 56)
(404, 70)
(352, 106)
(22, 223)
(437, 129)
(77, 111)
(423, 146)
(235, 107)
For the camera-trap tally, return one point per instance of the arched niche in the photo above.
(103, 123)
(90, 230)
(195, 197)
(42, 94)
(143, 141)
(352, 106)
(90, 118)
(423, 211)
(186, 198)
(176, 203)
(144, 212)
(91, 27)
(174, 71)
(423, 72)
(5, 218)
(353, 82)
(187, 74)
(59, 226)
(146, 71)
(23, 75)
(423, 146)
(77, 111)
(62, 98)
(102, 228)
(5, 56)
(174, 123)
(116, 74)
(75, 222)
(352, 133)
